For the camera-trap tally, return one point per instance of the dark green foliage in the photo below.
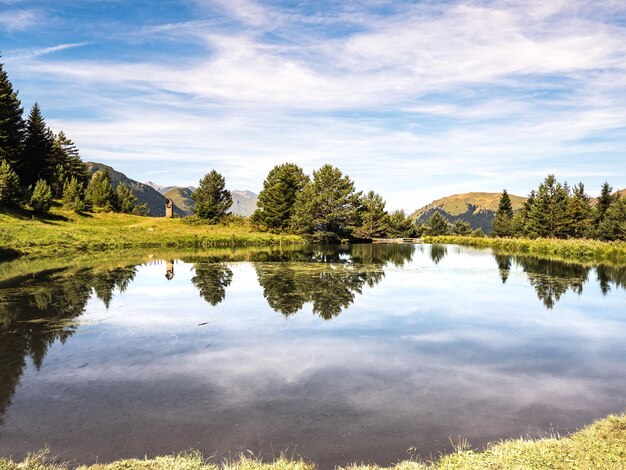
(41, 199)
(67, 164)
(580, 213)
(461, 228)
(212, 198)
(374, 217)
(401, 226)
(478, 233)
(437, 225)
(604, 202)
(100, 191)
(547, 215)
(327, 209)
(613, 224)
(125, 200)
(503, 221)
(37, 162)
(12, 127)
(74, 196)
(212, 279)
(276, 200)
(10, 190)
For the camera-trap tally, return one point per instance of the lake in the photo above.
(367, 353)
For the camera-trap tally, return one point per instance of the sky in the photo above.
(415, 100)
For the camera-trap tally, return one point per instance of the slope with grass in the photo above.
(599, 446)
(477, 209)
(65, 232)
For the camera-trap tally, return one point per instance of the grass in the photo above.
(566, 250)
(65, 232)
(599, 446)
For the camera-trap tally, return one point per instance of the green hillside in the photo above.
(181, 198)
(144, 193)
(477, 209)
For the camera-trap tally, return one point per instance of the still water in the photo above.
(354, 353)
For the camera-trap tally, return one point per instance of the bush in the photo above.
(41, 199)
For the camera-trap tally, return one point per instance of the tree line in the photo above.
(325, 207)
(38, 165)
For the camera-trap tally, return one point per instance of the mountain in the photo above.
(244, 202)
(478, 209)
(144, 193)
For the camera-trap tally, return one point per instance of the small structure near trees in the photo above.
(169, 209)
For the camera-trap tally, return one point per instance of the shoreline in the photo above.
(599, 445)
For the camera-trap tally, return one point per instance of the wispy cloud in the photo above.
(18, 20)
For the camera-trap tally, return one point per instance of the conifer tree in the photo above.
(327, 208)
(276, 200)
(613, 224)
(12, 127)
(212, 198)
(36, 162)
(462, 228)
(503, 221)
(66, 164)
(580, 212)
(10, 190)
(401, 226)
(74, 196)
(548, 215)
(41, 199)
(125, 200)
(100, 192)
(437, 225)
(374, 220)
(604, 202)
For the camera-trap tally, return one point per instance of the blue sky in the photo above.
(413, 99)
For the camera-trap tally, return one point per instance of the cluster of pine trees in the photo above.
(38, 166)
(554, 210)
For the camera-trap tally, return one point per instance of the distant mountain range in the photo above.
(477, 209)
(155, 196)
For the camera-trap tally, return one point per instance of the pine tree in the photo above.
(10, 190)
(100, 192)
(327, 208)
(66, 164)
(462, 228)
(276, 200)
(503, 221)
(37, 160)
(580, 213)
(74, 196)
(212, 198)
(437, 225)
(613, 224)
(401, 226)
(374, 220)
(604, 202)
(12, 127)
(41, 199)
(125, 200)
(548, 215)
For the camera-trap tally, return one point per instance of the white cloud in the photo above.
(18, 20)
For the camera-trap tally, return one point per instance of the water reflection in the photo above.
(212, 279)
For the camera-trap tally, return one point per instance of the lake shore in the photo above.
(65, 233)
(600, 445)
(566, 250)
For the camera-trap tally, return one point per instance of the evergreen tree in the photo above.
(100, 192)
(613, 224)
(548, 215)
(503, 221)
(478, 233)
(276, 200)
(526, 224)
(10, 190)
(41, 199)
(604, 202)
(437, 225)
(580, 213)
(37, 160)
(74, 196)
(374, 217)
(401, 226)
(461, 228)
(12, 127)
(212, 198)
(327, 208)
(125, 200)
(66, 164)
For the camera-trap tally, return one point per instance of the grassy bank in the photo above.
(64, 232)
(567, 250)
(599, 446)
